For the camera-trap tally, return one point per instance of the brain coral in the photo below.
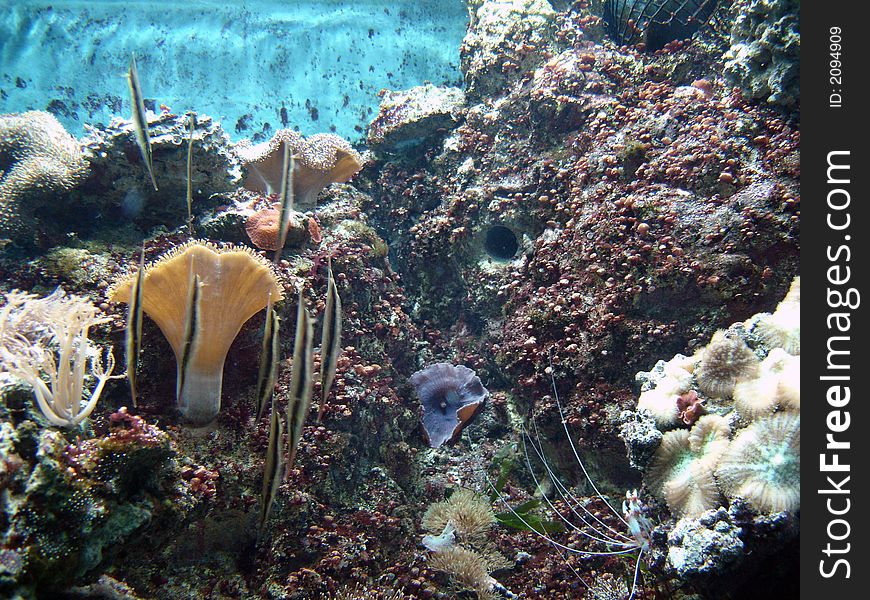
(38, 158)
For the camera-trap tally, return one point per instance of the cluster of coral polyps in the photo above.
(731, 421)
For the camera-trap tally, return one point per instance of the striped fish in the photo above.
(189, 173)
(301, 379)
(140, 121)
(330, 341)
(191, 316)
(287, 199)
(270, 355)
(274, 469)
(133, 334)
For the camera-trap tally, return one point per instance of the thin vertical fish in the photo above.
(287, 199)
(140, 121)
(270, 355)
(191, 316)
(301, 379)
(274, 469)
(133, 334)
(189, 174)
(330, 341)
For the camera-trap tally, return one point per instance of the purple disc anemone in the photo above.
(450, 396)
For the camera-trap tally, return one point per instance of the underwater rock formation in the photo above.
(409, 117)
(71, 506)
(764, 57)
(119, 188)
(504, 38)
(708, 546)
(592, 209)
(39, 161)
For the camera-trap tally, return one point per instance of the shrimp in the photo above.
(630, 535)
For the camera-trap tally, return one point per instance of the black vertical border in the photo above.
(826, 129)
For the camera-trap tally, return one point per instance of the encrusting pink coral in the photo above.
(263, 228)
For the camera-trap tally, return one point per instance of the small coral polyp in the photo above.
(725, 362)
(235, 284)
(763, 463)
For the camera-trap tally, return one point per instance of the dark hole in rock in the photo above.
(501, 243)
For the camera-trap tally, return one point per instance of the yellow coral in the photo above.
(235, 285)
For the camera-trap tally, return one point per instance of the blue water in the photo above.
(323, 61)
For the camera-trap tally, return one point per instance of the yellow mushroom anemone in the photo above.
(200, 296)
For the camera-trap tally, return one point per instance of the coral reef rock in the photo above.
(70, 507)
(709, 545)
(415, 115)
(764, 57)
(504, 37)
(641, 437)
(120, 187)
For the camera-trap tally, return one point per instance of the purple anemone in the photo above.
(450, 396)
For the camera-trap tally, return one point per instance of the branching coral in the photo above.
(320, 160)
(235, 285)
(37, 158)
(763, 462)
(48, 338)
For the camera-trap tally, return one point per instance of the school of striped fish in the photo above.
(279, 456)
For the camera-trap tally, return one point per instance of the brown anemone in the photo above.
(235, 284)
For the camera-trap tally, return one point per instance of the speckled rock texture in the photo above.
(412, 116)
(119, 188)
(764, 57)
(593, 210)
(69, 505)
(641, 437)
(708, 545)
(504, 37)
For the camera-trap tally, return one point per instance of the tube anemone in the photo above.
(234, 285)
